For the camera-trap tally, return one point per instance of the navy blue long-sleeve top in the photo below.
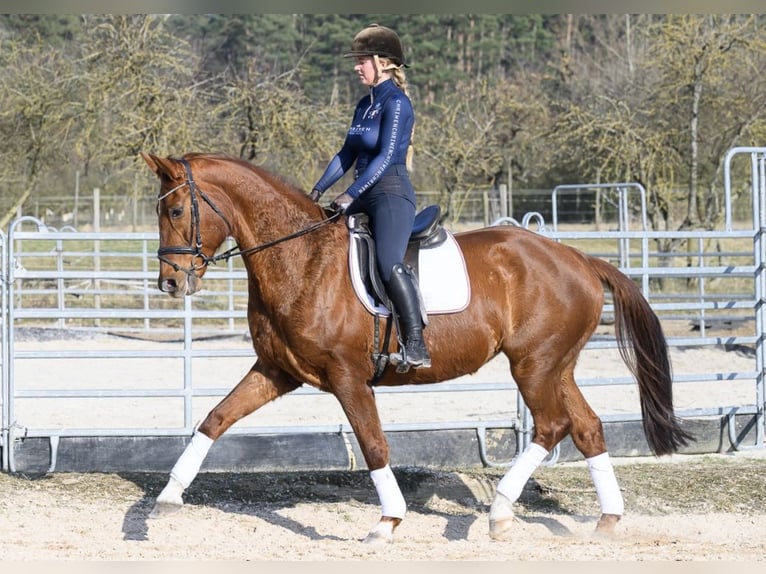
(379, 136)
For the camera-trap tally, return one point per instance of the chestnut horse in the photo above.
(533, 299)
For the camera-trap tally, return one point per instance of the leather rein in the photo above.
(195, 247)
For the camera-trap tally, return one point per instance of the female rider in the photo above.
(379, 144)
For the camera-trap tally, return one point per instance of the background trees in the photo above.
(526, 100)
(39, 111)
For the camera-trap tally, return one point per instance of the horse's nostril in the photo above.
(168, 285)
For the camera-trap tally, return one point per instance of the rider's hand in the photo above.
(315, 195)
(342, 202)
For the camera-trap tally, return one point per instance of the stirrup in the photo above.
(403, 362)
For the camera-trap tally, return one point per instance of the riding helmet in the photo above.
(377, 40)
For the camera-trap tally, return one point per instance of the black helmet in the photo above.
(377, 40)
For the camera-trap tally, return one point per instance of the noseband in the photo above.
(195, 235)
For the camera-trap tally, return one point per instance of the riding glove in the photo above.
(342, 202)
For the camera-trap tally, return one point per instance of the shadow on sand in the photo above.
(460, 498)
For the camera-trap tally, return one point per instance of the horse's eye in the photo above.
(176, 212)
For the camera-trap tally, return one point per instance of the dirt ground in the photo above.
(680, 508)
(700, 508)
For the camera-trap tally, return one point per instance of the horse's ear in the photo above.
(160, 166)
(151, 161)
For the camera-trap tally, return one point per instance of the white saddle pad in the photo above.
(442, 277)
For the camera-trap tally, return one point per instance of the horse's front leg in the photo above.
(358, 402)
(258, 387)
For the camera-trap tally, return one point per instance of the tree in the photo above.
(143, 94)
(660, 106)
(142, 90)
(700, 61)
(471, 138)
(39, 112)
(271, 123)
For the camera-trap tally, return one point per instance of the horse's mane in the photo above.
(216, 156)
(265, 173)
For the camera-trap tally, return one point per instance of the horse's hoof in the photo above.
(163, 509)
(605, 526)
(376, 538)
(169, 501)
(502, 528)
(383, 533)
(501, 517)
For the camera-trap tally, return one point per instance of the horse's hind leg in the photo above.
(259, 386)
(542, 395)
(588, 436)
(557, 412)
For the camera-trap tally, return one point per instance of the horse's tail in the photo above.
(643, 347)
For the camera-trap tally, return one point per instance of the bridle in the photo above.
(195, 235)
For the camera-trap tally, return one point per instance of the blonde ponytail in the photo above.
(400, 79)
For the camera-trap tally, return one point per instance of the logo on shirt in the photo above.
(374, 111)
(358, 130)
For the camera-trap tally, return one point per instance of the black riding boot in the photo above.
(404, 297)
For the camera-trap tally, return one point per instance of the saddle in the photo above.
(432, 254)
(426, 233)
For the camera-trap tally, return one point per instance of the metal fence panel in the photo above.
(4, 355)
(74, 288)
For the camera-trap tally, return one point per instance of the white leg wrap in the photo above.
(188, 464)
(607, 489)
(391, 500)
(514, 480)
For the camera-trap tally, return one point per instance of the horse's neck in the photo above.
(263, 212)
(281, 259)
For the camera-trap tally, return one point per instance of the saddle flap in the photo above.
(362, 250)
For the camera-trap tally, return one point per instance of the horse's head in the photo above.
(191, 226)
